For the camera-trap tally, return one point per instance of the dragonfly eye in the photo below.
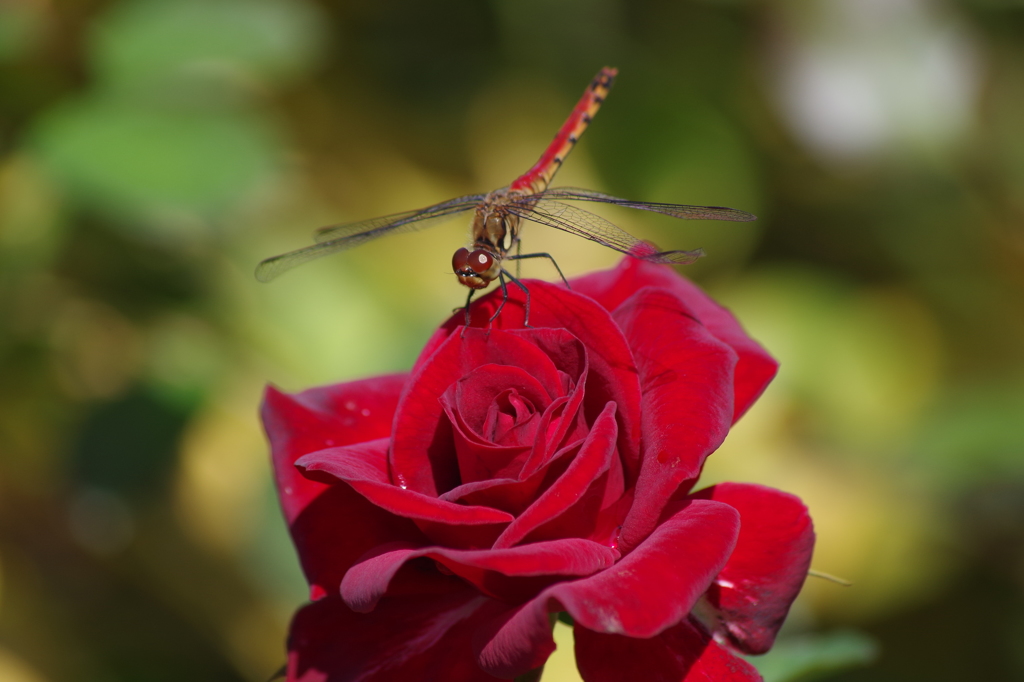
(480, 261)
(460, 260)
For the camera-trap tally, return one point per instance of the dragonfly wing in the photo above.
(389, 222)
(275, 266)
(595, 228)
(354, 234)
(675, 210)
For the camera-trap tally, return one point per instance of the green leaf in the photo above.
(975, 434)
(813, 657)
(148, 43)
(132, 160)
(21, 29)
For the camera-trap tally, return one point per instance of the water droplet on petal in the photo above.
(288, 490)
(614, 543)
(350, 405)
(365, 412)
(402, 482)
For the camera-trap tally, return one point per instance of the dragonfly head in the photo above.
(475, 269)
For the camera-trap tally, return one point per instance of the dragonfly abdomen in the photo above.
(539, 176)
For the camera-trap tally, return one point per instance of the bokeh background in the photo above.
(152, 152)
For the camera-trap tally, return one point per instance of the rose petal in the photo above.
(514, 495)
(683, 653)
(560, 429)
(474, 395)
(422, 454)
(341, 414)
(686, 382)
(364, 467)
(645, 593)
(327, 548)
(561, 424)
(754, 369)
(475, 458)
(415, 638)
(309, 421)
(488, 570)
(753, 593)
(492, 442)
(612, 375)
(593, 459)
(659, 582)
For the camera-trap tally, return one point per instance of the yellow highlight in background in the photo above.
(561, 666)
(14, 669)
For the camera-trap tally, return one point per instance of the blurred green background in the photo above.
(152, 152)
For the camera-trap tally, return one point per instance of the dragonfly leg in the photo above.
(526, 316)
(504, 295)
(468, 300)
(518, 257)
(466, 309)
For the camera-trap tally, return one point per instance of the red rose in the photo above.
(441, 516)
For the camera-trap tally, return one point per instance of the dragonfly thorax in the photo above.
(495, 230)
(494, 226)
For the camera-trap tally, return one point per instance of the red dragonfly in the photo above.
(498, 216)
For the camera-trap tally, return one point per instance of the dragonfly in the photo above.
(498, 217)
